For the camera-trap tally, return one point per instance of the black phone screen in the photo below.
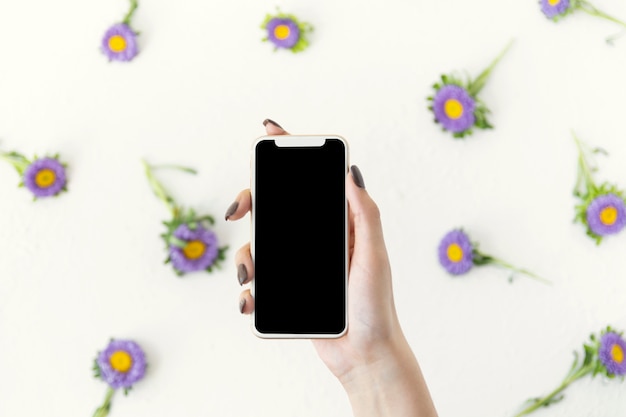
(300, 238)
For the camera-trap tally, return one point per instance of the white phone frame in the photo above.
(297, 141)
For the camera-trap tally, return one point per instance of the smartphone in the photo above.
(299, 239)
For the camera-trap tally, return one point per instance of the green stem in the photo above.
(474, 88)
(129, 15)
(548, 399)
(584, 174)
(159, 190)
(103, 410)
(515, 269)
(593, 11)
(19, 162)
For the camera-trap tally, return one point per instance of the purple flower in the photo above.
(454, 108)
(283, 32)
(122, 363)
(45, 177)
(456, 252)
(120, 43)
(611, 353)
(606, 215)
(553, 8)
(200, 250)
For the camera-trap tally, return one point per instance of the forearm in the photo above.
(391, 387)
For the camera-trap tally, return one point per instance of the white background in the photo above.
(87, 266)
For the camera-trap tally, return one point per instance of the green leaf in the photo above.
(474, 87)
(590, 354)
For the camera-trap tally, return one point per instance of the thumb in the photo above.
(273, 128)
(364, 211)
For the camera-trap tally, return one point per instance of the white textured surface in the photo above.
(79, 269)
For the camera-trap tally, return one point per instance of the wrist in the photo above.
(390, 385)
(383, 365)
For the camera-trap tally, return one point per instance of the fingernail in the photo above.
(266, 121)
(242, 274)
(242, 304)
(231, 210)
(357, 177)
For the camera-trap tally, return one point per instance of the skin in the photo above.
(373, 360)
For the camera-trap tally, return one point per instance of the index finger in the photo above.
(273, 128)
(240, 206)
(243, 202)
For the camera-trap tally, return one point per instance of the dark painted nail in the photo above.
(357, 177)
(242, 304)
(266, 121)
(231, 210)
(242, 274)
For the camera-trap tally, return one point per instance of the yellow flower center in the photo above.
(553, 2)
(617, 353)
(117, 43)
(121, 361)
(608, 215)
(281, 32)
(453, 108)
(45, 178)
(455, 253)
(194, 249)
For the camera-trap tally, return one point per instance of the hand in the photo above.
(374, 341)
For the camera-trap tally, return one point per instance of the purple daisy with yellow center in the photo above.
(456, 252)
(120, 43)
(191, 245)
(603, 207)
(454, 108)
(197, 250)
(121, 364)
(554, 8)
(602, 355)
(285, 31)
(45, 177)
(606, 215)
(612, 353)
(557, 9)
(456, 105)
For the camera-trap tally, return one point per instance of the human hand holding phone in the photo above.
(373, 360)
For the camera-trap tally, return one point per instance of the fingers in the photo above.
(238, 209)
(240, 206)
(245, 267)
(246, 302)
(245, 272)
(243, 202)
(273, 128)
